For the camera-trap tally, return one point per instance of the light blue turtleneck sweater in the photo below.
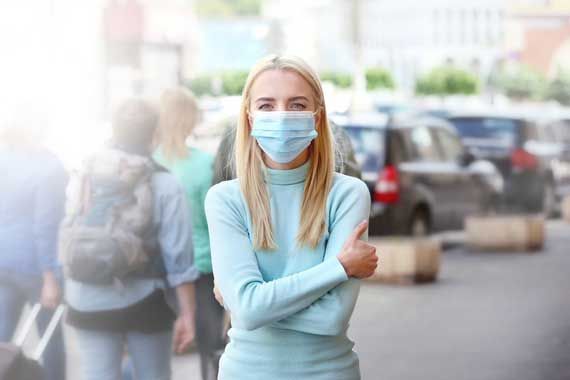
(290, 307)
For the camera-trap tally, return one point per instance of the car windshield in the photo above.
(368, 146)
(498, 130)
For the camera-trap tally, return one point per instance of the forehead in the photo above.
(280, 84)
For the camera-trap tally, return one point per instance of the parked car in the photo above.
(421, 178)
(528, 149)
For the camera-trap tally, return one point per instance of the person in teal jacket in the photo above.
(193, 168)
(286, 235)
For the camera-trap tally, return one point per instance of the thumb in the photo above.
(358, 231)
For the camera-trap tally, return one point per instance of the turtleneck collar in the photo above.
(287, 177)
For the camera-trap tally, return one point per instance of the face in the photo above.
(282, 90)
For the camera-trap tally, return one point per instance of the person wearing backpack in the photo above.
(126, 244)
(179, 114)
(32, 196)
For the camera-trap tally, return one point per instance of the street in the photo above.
(490, 316)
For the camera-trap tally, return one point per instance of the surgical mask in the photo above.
(283, 135)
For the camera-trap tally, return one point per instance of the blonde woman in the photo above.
(179, 114)
(285, 234)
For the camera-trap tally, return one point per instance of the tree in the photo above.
(341, 80)
(519, 82)
(227, 8)
(201, 85)
(447, 80)
(377, 77)
(559, 88)
(233, 82)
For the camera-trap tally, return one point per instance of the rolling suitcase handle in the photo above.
(20, 338)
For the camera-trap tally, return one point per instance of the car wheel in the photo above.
(419, 224)
(549, 199)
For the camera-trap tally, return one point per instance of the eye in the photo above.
(298, 106)
(265, 107)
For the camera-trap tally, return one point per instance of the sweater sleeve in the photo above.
(330, 314)
(48, 213)
(252, 301)
(175, 234)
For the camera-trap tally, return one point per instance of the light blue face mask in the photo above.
(283, 135)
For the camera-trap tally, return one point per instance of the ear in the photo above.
(250, 121)
(318, 117)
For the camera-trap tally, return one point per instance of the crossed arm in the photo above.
(319, 300)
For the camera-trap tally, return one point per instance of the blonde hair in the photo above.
(249, 162)
(179, 114)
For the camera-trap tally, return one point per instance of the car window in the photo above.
(531, 131)
(563, 131)
(450, 145)
(502, 131)
(397, 149)
(547, 133)
(368, 144)
(423, 144)
(553, 132)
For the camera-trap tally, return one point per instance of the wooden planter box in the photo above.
(406, 260)
(505, 233)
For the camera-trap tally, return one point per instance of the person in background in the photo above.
(133, 310)
(179, 114)
(32, 195)
(286, 234)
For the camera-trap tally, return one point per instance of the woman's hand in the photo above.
(51, 293)
(184, 332)
(218, 295)
(184, 328)
(358, 257)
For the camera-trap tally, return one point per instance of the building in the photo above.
(539, 34)
(407, 37)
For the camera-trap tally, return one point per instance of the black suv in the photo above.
(420, 177)
(528, 150)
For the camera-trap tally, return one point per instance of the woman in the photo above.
(32, 196)
(285, 234)
(193, 168)
(132, 310)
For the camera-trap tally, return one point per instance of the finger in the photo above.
(184, 344)
(358, 231)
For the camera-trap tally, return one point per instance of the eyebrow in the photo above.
(265, 99)
(299, 98)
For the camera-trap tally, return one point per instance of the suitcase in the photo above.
(14, 364)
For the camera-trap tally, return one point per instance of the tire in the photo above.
(419, 223)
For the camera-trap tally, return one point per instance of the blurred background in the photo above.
(81, 58)
(452, 108)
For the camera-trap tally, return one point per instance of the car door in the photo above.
(462, 191)
(554, 137)
(427, 173)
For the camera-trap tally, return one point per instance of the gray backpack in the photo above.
(108, 214)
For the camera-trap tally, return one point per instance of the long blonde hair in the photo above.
(249, 162)
(179, 114)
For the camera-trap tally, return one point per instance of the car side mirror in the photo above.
(467, 158)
